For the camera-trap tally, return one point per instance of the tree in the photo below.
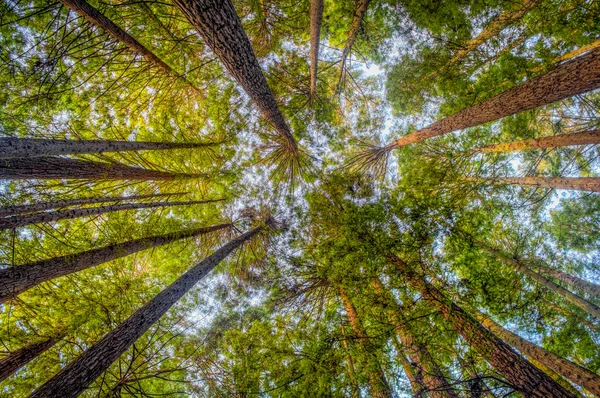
(560, 140)
(19, 358)
(359, 14)
(590, 184)
(316, 16)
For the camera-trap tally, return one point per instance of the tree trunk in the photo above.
(588, 287)
(219, 25)
(582, 138)
(576, 76)
(359, 14)
(89, 13)
(580, 302)
(12, 148)
(522, 375)
(379, 385)
(413, 376)
(35, 207)
(22, 357)
(57, 168)
(577, 374)
(77, 376)
(36, 218)
(17, 279)
(316, 16)
(351, 373)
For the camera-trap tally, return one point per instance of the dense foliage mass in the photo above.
(392, 198)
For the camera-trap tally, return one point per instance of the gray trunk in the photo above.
(588, 184)
(77, 376)
(22, 357)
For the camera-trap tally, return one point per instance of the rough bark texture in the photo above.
(11, 148)
(17, 279)
(52, 167)
(416, 382)
(21, 357)
(77, 376)
(577, 374)
(41, 206)
(359, 14)
(36, 218)
(588, 287)
(582, 303)
(219, 25)
(316, 16)
(582, 138)
(379, 385)
(85, 10)
(589, 184)
(576, 76)
(522, 375)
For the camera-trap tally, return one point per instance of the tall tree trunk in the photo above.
(588, 287)
(85, 10)
(41, 206)
(77, 376)
(522, 375)
(433, 380)
(377, 381)
(52, 167)
(581, 138)
(12, 148)
(36, 218)
(359, 14)
(413, 375)
(582, 303)
(351, 373)
(23, 356)
(219, 25)
(576, 76)
(588, 184)
(577, 374)
(17, 279)
(316, 16)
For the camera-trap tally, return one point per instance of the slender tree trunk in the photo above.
(351, 373)
(219, 25)
(522, 375)
(92, 15)
(379, 385)
(582, 303)
(13, 148)
(36, 218)
(57, 168)
(22, 357)
(359, 14)
(588, 287)
(41, 206)
(577, 374)
(588, 184)
(581, 138)
(413, 375)
(316, 16)
(77, 376)
(15, 280)
(576, 76)
(570, 55)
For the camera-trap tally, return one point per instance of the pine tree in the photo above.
(316, 17)
(581, 138)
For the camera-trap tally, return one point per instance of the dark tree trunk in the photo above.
(573, 77)
(35, 207)
(13, 148)
(22, 357)
(359, 14)
(316, 16)
(77, 376)
(219, 25)
(50, 168)
(518, 372)
(17, 279)
(36, 218)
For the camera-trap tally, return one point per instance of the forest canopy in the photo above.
(276, 198)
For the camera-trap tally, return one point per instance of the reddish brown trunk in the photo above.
(77, 376)
(588, 184)
(581, 138)
(316, 16)
(22, 357)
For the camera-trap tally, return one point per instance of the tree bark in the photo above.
(351, 373)
(17, 279)
(91, 14)
(77, 376)
(219, 25)
(522, 375)
(581, 138)
(580, 302)
(576, 76)
(316, 17)
(588, 184)
(12, 148)
(577, 374)
(52, 167)
(588, 287)
(23, 356)
(378, 383)
(359, 14)
(41, 206)
(413, 376)
(36, 218)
